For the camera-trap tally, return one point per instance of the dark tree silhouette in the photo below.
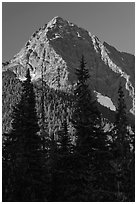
(123, 153)
(22, 151)
(92, 143)
(40, 166)
(64, 165)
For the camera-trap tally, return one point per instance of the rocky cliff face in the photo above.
(64, 43)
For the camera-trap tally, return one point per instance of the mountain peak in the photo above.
(53, 21)
(56, 21)
(63, 44)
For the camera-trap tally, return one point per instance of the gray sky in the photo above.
(113, 22)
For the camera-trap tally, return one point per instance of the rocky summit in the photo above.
(59, 45)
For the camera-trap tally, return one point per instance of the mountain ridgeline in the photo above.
(68, 119)
(64, 44)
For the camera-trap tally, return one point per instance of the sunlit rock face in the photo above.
(64, 43)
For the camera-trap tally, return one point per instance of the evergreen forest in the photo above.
(59, 148)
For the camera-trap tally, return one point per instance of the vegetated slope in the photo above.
(55, 102)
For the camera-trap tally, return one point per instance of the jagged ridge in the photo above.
(64, 43)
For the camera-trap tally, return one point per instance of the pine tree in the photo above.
(66, 146)
(121, 124)
(82, 120)
(65, 172)
(92, 149)
(23, 150)
(120, 130)
(82, 114)
(53, 157)
(122, 150)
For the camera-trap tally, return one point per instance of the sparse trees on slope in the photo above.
(44, 123)
(23, 150)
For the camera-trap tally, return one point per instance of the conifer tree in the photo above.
(120, 130)
(81, 120)
(65, 172)
(86, 117)
(122, 150)
(23, 150)
(121, 123)
(64, 137)
(53, 157)
(91, 139)
(82, 114)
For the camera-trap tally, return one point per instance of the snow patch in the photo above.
(22, 78)
(94, 39)
(79, 36)
(105, 101)
(105, 57)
